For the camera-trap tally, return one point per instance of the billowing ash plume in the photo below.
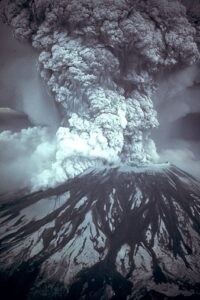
(100, 60)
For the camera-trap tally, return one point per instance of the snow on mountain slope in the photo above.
(111, 233)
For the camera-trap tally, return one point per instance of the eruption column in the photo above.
(101, 60)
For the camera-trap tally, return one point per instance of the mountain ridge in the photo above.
(107, 234)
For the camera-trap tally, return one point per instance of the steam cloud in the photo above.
(101, 61)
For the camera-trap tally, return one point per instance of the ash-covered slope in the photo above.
(112, 233)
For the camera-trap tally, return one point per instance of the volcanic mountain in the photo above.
(110, 233)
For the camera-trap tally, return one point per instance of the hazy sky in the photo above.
(20, 84)
(177, 102)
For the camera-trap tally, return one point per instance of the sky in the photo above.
(21, 86)
(177, 102)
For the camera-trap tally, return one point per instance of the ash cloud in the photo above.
(101, 61)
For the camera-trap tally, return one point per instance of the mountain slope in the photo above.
(113, 233)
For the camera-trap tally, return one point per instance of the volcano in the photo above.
(110, 233)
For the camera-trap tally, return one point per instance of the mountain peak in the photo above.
(110, 233)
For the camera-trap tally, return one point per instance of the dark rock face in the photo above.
(13, 120)
(114, 233)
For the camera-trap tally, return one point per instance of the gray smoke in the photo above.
(102, 61)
